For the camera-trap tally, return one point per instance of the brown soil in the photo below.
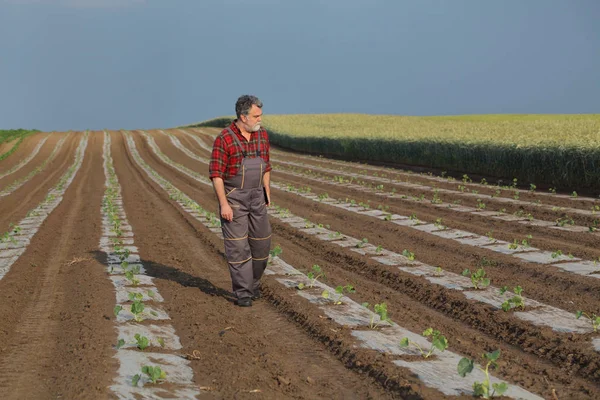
(576, 291)
(15, 206)
(56, 335)
(56, 302)
(262, 350)
(6, 146)
(24, 150)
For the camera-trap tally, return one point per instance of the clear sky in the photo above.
(77, 64)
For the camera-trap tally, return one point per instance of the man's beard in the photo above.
(255, 128)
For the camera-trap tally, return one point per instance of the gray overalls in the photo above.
(248, 236)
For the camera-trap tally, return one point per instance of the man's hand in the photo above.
(227, 212)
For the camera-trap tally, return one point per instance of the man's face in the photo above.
(252, 120)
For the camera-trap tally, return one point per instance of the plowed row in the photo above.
(58, 333)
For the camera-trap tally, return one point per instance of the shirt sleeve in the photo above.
(266, 151)
(218, 159)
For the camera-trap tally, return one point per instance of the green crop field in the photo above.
(8, 135)
(559, 150)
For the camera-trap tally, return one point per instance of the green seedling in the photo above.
(141, 341)
(490, 236)
(436, 198)
(480, 204)
(316, 273)
(408, 254)
(161, 341)
(483, 181)
(439, 271)
(120, 343)
(438, 341)
(574, 194)
(514, 302)
(381, 310)
(478, 278)
(275, 252)
(155, 374)
(552, 190)
(362, 243)
(483, 389)
(566, 220)
(413, 217)
(131, 277)
(465, 178)
(516, 195)
(556, 254)
(117, 309)
(379, 249)
(594, 319)
(339, 291)
(323, 196)
(532, 187)
(514, 182)
(438, 224)
(137, 307)
(388, 217)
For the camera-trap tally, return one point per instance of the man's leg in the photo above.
(259, 237)
(237, 251)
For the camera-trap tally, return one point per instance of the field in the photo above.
(551, 150)
(111, 260)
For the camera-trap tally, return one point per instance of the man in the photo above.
(241, 174)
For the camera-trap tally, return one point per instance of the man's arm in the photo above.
(226, 211)
(267, 184)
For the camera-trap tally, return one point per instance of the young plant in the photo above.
(438, 341)
(155, 374)
(362, 243)
(141, 341)
(137, 307)
(316, 273)
(438, 224)
(514, 302)
(478, 278)
(480, 204)
(408, 254)
(275, 252)
(381, 310)
(339, 291)
(129, 274)
(483, 389)
(556, 254)
(594, 319)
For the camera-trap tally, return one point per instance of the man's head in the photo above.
(249, 112)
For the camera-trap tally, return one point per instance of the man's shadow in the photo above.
(161, 271)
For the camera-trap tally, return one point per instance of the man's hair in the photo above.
(244, 104)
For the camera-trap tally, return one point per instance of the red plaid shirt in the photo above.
(226, 158)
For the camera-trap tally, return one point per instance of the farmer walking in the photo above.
(240, 172)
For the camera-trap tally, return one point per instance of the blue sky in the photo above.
(76, 64)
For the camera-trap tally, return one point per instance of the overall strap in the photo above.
(258, 145)
(237, 141)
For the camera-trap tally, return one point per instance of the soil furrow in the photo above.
(313, 245)
(254, 353)
(16, 205)
(56, 332)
